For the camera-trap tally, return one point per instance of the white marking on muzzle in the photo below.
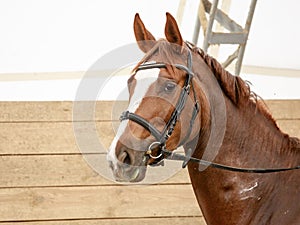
(144, 79)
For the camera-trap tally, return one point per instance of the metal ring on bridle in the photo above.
(149, 152)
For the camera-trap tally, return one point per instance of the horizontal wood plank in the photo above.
(69, 170)
(63, 111)
(63, 138)
(105, 202)
(55, 138)
(35, 111)
(53, 170)
(105, 110)
(133, 221)
(284, 109)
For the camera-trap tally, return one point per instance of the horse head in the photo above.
(163, 111)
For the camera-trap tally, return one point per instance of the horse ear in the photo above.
(172, 31)
(144, 38)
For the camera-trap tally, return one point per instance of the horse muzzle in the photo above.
(123, 172)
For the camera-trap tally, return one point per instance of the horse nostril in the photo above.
(127, 160)
(124, 157)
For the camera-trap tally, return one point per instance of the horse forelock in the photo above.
(162, 52)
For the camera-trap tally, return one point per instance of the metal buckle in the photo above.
(149, 151)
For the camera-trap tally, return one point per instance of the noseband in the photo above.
(162, 137)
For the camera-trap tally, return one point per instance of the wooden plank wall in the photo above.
(45, 180)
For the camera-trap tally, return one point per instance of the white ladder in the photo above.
(237, 34)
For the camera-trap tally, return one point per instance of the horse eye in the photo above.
(170, 86)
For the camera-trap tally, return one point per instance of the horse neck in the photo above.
(252, 134)
(251, 140)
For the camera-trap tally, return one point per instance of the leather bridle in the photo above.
(161, 137)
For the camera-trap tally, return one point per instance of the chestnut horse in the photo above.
(180, 96)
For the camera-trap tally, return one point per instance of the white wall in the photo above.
(39, 36)
(70, 35)
(67, 35)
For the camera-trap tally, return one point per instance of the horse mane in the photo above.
(239, 92)
(234, 87)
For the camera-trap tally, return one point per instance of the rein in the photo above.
(187, 158)
(162, 137)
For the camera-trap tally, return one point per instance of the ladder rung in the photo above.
(223, 18)
(227, 38)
